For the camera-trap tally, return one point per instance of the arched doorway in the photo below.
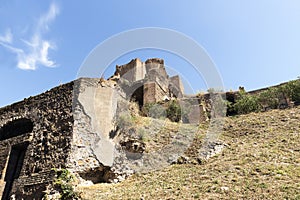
(17, 152)
(138, 96)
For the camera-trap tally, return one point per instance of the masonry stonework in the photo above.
(27, 157)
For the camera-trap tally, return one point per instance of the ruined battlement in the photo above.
(137, 70)
(157, 65)
(155, 60)
(133, 71)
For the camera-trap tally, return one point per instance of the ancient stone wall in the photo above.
(45, 146)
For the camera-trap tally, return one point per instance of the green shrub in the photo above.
(174, 111)
(142, 135)
(63, 183)
(124, 120)
(292, 90)
(229, 107)
(269, 98)
(154, 110)
(246, 103)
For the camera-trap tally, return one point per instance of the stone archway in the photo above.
(16, 153)
(138, 96)
(14, 166)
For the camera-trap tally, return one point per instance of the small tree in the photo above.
(246, 103)
(292, 90)
(174, 111)
(269, 98)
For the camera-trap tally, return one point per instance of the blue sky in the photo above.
(43, 43)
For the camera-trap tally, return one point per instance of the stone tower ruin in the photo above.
(150, 81)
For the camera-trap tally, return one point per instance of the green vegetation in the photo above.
(292, 90)
(124, 120)
(63, 183)
(174, 111)
(154, 110)
(267, 99)
(171, 110)
(246, 103)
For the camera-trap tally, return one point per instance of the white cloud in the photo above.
(7, 37)
(37, 48)
(48, 17)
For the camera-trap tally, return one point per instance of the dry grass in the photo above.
(262, 161)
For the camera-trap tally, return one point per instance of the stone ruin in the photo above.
(70, 127)
(147, 82)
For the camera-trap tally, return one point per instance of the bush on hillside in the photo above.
(174, 111)
(154, 110)
(292, 90)
(246, 103)
(269, 99)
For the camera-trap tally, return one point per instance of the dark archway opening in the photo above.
(138, 96)
(16, 128)
(17, 152)
(14, 167)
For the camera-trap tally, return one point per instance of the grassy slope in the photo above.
(262, 161)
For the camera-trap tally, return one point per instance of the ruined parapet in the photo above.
(133, 71)
(157, 65)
